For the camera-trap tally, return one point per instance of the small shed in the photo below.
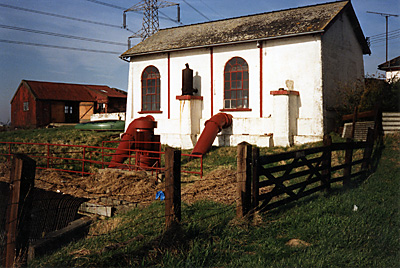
(37, 103)
(392, 68)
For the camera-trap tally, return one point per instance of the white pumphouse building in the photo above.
(276, 73)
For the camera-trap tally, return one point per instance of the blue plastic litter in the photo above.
(160, 195)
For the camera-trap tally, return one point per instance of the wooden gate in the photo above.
(269, 181)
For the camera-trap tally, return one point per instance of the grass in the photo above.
(60, 135)
(337, 234)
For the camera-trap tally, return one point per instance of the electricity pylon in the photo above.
(150, 9)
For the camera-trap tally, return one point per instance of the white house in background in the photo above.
(276, 73)
(392, 69)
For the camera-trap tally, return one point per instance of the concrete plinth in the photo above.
(285, 114)
(189, 119)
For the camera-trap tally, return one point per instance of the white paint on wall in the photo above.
(309, 64)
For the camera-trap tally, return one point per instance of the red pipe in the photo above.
(212, 126)
(141, 129)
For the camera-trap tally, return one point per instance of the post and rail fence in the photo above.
(266, 182)
(84, 159)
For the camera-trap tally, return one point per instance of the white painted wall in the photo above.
(108, 116)
(392, 76)
(301, 63)
(343, 64)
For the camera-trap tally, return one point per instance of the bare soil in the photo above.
(132, 186)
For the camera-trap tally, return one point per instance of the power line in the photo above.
(59, 47)
(60, 16)
(384, 39)
(196, 10)
(381, 38)
(383, 34)
(123, 9)
(106, 4)
(216, 12)
(60, 35)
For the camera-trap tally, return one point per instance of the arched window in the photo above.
(236, 84)
(151, 89)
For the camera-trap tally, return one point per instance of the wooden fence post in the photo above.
(368, 149)
(327, 162)
(243, 204)
(355, 115)
(255, 175)
(172, 186)
(19, 208)
(347, 160)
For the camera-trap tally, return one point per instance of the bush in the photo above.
(387, 93)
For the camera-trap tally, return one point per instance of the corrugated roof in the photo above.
(71, 92)
(302, 20)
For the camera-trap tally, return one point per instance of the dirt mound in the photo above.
(219, 185)
(132, 186)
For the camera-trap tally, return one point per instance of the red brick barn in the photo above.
(37, 104)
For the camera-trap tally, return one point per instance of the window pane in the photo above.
(233, 94)
(233, 76)
(245, 103)
(239, 94)
(227, 94)
(245, 75)
(239, 84)
(227, 85)
(239, 104)
(234, 86)
(239, 76)
(227, 104)
(233, 103)
(245, 94)
(227, 76)
(246, 84)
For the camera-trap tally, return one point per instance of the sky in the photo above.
(79, 41)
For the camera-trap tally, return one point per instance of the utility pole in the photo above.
(386, 15)
(150, 23)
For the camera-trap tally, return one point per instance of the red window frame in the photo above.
(236, 85)
(150, 90)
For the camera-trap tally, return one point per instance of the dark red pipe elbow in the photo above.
(141, 129)
(212, 127)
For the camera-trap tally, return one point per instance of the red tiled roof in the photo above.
(72, 92)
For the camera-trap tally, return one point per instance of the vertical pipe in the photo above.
(212, 79)
(179, 13)
(261, 78)
(169, 85)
